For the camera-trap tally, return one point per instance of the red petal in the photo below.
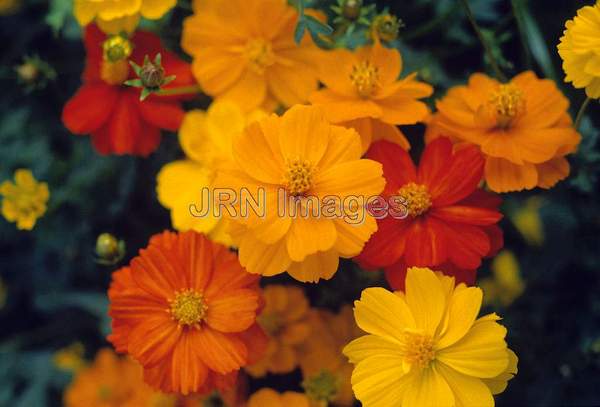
(386, 245)
(89, 108)
(483, 199)
(466, 214)
(496, 237)
(434, 164)
(462, 177)
(468, 244)
(398, 168)
(164, 115)
(426, 243)
(93, 39)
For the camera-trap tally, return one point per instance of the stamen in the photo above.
(416, 198)
(365, 78)
(298, 177)
(188, 308)
(507, 103)
(260, 55)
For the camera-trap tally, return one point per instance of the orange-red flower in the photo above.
(449, 220)
(186, 310)
(522, 127)
(111, 112)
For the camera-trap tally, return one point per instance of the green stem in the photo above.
(581, 112)
(485, 44)
(183, 90)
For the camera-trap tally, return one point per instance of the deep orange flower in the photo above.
(111, 112)
(523, 129)
(449, 220)
(186, 310)
(244, 51)
(363, 91)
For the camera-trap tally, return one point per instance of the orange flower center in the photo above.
(114, 69)
(365, 78)
(508, 103)
(188, 308)
(416, 198)
(418, 349)
(259, 54)
(298, 177)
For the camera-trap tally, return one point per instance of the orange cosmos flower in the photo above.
(244, 51)
(449, 220)
(522, 127)
(284, 319)
(267, 397)
(363, 91)
(300, 161)
(112, 381)
(186, 310)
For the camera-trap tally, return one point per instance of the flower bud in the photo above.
(386, 27)
(152, 75)
(107, 246)
(27, 72)
(351, 9)
(116, 48)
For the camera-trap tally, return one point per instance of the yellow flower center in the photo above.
(298, 177)
(188, 308)
(418, 349)
(365, 78)
(416, 198)
(507, 102)
(260, 55)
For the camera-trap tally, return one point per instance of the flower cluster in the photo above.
(308, 129)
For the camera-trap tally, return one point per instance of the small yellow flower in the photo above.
(114, 16)
(426, 347)
(506, 285)
(24, 201)
(206, 139)
(284, 319)
(528, 221)
(578, 49)
(70, 358)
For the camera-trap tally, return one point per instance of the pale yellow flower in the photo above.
(528, 221)
(70, 358)
(506, 284)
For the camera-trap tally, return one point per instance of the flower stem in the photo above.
(581, 112)
(485, 44)
(183, 90)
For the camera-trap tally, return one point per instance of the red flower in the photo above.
(451, 224)
(113, 114)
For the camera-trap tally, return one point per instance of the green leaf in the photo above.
(315, 26)
(59, 12)
(299, 31)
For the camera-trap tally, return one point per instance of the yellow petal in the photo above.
(261, 258)
(304, 134)
(429, 389)
(468, 391)
(351, 238)
(373, 346)
(155, 9)
(499, 383)
(310, 235)
(463, 309)
(362, 178)
(380, 312)
(426, 299)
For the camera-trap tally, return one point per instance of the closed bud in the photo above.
(386, 27)
(152, 75)
(351, 9)
(109, 250)
(116, 48)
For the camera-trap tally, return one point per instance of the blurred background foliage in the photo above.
(53, 293)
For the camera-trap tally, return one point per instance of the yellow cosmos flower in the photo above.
(325, 370)
(528, 221)
(114, 16)
(284, 319)
(426, 348)
(206, 139)
(70, 358)
(506, 285)
(300, 161)
(363, 91)
(578, 49)
(24, 201)
(244, 51)
(270, 398)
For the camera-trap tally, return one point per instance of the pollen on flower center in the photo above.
(188, 308)
(260, 54)
(418, 349)
(416, 198)
(298, 176)
(507, 102)
(365, 78)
